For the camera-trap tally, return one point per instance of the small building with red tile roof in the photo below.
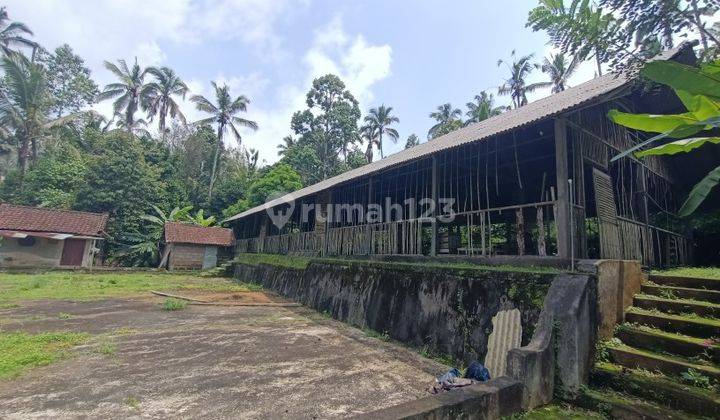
(194, 247)
(44, 237)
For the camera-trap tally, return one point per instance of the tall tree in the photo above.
(560, 69)
(131, 91)
(580, 29)
(664, 19)
(369, 134)
(482, 108)
(160, 100)
(24, 104)
(287, 144)
(412, 140)
(379, 120)
(516, 85)
(445, 117)
(329, 125)
(13, 34)
(68, 79)
(224, 116)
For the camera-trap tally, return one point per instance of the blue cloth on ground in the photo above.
(447, 376)
(477, 372)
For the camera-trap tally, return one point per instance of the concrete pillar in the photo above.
(563, 192)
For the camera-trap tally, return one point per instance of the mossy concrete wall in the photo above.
(447, 311)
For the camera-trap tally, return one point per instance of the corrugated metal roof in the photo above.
(541, 109)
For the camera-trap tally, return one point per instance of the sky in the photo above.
(411, 55)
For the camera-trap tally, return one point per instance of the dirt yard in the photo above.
(206, 361)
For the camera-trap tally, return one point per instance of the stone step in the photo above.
(658, 340)
(677, 306)
(657, 388)
(633, 358)
(689, 282)
(667, 292)
(694, 327)
(620, 406)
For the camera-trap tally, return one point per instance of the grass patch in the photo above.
(173, 304)
(20, 351)
(301, 263)
(64, 315)
(289, 261)
(132, 402)
(9, 305)
(108, 348)
(554, 411)
(88, 286)
(699, 272)
(374, 334)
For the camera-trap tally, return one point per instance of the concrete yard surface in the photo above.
(208, 361)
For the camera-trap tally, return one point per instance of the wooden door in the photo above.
(73, 251)
(610, 245)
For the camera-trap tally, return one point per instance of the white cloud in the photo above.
(149, 54)
(359, 64)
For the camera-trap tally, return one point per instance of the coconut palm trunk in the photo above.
(213, 172)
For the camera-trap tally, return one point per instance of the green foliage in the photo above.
(695, 378)
(326, 129)
(412, 140)
(699, 90)
(446, 118)
(55, 180)
(173, 304)
(279, 180)
(68, 80)
(65, 285)
(20, 351)
(121, 183)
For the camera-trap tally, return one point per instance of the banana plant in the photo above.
(200, 219)
(699, 91)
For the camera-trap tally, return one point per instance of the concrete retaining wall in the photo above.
(445, 310)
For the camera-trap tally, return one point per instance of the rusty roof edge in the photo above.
(616, 82)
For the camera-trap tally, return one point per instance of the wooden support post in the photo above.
(541, 232)
(434, 192)
(263, 234)
(520, 231)
(562, 220)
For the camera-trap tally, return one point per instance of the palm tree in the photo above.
(580, 28)
(131, 91)
(559, 70)
(515, 85)
(379, 120)
(444, 115)
(288, 143)
(12, 34)
(138, 127)
(223, 114)
(369, 133)
(483, 108)
(160, 96)
(24, 107)
(412, 140)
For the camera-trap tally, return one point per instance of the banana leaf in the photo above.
(651, 123)
(683, 77)
(700, 106)
(679, 132)
(700, 192)
(678, 146)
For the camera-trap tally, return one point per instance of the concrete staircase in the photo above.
(664, 361)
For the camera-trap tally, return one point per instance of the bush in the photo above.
(172, 304)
